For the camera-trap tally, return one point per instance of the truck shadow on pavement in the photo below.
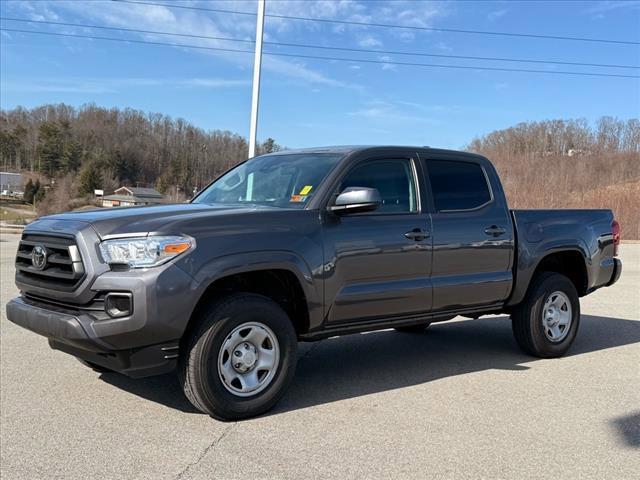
(628, 428)
(356, 365)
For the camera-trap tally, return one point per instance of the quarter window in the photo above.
(392, 178)
(457, 185)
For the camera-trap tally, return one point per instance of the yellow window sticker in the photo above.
(306, 189)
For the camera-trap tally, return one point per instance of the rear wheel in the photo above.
(240, 358)
(413, 328)
(546, 322)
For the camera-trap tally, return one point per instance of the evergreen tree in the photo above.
(70, 157)
(124, 167)
(90, 178)
(9, 146)
(269, 146)
(39, 192)
(29, 191)
(50, 148)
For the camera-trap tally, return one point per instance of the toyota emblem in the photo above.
(39, 257)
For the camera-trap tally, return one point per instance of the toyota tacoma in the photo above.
(302, 245)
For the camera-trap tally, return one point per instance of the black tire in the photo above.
(198, 364)
(413, 328)
(527, 320)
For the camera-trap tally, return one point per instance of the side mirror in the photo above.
(356, 200)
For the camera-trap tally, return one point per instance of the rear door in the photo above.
(472, 233)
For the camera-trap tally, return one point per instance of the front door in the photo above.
(377, 264)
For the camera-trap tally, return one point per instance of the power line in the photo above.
(134, 30)
(459, 57)
(126, 40)
(323, 47)
(190, 7)
(318, 57)
(463, 67)
(388, 25)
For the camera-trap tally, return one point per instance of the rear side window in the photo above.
(457, 185)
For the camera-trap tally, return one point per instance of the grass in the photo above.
(16, 214)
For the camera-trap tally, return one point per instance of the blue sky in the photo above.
(307, 102)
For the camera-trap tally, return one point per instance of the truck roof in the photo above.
(349, 149)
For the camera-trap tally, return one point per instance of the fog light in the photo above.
(118, 304)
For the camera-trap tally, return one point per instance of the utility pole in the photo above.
(257, 64)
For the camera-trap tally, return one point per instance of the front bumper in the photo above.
(143, 342)
(67, 331)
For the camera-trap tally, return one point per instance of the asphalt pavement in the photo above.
(459, 401)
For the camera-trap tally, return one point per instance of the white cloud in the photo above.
(354, 11)
(371, 112)
(188, 22)
(443, 47)
(387, 66)
(216, 82)
(41, 12)
(383, 111)
(431, 108)
(369, 41)
(496, 14)
(53, 86)
(297, 71)
(114, 85)
(610, 5)
(404, 12)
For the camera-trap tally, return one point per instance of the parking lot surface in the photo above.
(459, 401)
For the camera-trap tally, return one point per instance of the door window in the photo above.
(458, 185)
(392, 178)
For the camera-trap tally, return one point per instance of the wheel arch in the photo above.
(280, 276)
(571, 262)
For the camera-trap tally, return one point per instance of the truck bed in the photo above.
(588, 232)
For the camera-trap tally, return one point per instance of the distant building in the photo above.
(130, 196)
(11, 183)
(574, 152)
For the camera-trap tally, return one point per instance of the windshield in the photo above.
(287, 181)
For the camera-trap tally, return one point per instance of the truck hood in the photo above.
(169, 218)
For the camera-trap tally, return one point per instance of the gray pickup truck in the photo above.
(298, 246)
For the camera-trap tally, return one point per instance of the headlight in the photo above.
(144, 251)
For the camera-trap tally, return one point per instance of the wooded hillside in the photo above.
(550, 164)
(570, 164)
(93, 147)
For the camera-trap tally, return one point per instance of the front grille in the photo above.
(63, 268)
(95, 307)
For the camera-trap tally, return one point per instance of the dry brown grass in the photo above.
(609, 181)
(623, 199)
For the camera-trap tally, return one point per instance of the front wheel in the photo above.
(546, 322)
(240, 358)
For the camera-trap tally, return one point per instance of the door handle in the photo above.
(417, 234)
(495, 231)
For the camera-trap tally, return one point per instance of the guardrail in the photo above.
(9, 199)
(10, 228)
